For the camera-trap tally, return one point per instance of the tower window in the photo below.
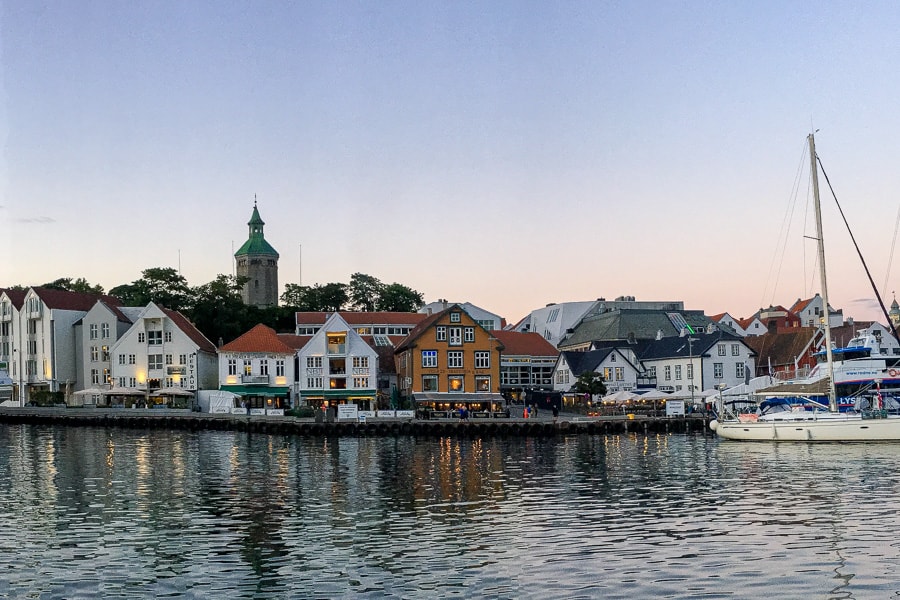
(256, 282)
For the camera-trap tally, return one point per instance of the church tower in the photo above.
(895, 313)
(258, 261)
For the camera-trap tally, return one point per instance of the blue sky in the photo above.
(508, 154)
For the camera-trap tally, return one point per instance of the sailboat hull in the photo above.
(826, 427)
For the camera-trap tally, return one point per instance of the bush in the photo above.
(303, 412)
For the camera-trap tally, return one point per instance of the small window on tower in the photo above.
(256, 282)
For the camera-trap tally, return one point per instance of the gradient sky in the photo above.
(508, 154)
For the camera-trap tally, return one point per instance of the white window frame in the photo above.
(455, 359)
(429, 359)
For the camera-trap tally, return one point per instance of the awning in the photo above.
(255, 390)
(457, 397)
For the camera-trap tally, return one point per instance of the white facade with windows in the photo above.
(95, 334)
(337, 366)
(156, 353)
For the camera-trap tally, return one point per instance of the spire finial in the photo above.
(254, 200)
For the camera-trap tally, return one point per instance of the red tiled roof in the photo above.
(361, 318)
(17, 297)
(259, 339)
(188, 328)
(65, 300)
(525, 344)
(295, 342)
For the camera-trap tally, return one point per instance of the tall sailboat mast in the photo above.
(829, 355)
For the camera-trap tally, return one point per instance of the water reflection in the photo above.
(96, 512)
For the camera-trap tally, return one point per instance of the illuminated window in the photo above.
(456, 383)
(482, 383)
(429, 383)
(361, 382)
(248, 367)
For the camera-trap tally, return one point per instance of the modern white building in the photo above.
(164, 355)
(337, 366)
(554, 320)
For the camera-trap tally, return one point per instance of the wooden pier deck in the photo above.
(513, 427)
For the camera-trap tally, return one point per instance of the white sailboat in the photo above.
(815, 426)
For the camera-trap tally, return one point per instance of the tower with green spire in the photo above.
(257, 260)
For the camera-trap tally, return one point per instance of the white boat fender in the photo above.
(714, 424)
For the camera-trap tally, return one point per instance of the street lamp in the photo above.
(691, 341)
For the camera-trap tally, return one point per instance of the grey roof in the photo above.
(625, 324)
(680, 346)
(581, 362)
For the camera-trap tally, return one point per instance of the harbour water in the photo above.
(118, 513)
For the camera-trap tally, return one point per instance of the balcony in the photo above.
(255, 379)
(337, 348)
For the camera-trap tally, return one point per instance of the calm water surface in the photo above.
(89, 513)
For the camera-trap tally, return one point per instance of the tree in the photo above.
(364, 291)
(591, 383)
(218, 310)
(78, 285)
(163, 285)
(399, 298)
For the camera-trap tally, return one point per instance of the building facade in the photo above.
(259, 368)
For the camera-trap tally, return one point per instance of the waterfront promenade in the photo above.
(543, 425)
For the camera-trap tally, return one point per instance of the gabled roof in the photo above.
(800, 305)
(188, 328)
(525, 344)
(259, 339)
(17, 297)
(782, 348)
(681, 346)
(581, 362)
(66, 300)
(423, 326)
(362, 318)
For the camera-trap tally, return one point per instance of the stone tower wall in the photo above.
(262, 288)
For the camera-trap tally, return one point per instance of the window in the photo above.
(455, 359)
(141, 337)
(651, 371)
(104, 353)
(429, 383)
(121, 359)
(104, 331)
(95, 376)
(154, 361)
(121, 381)
(264, 367)
(721, 348)
(718, 371)
(429, 358)
(562, 376)
(553, 315)
(279, 367)
(455, 336)
(607, 373)
(620, 373)
(182, 359)
(440, 333)
(361, 382)
(677, 372)
(168, 359)
(667, 370)
(454, 317)
(612, 357)
(313, 362)
(168, 336)
(690, 372)
(154, 338)
(314, 382)
(95, 354)
(232, 366)
(132, 382)
(735, 349)
(132, 359)
(360, 362)
(248, 367)
(469, 334)
(482, 383)
(482, 360)
(456, 383)
(93, 330)
(739, 370)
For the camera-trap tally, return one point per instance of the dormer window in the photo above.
(454, 317)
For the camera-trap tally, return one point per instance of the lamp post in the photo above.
(691, 357)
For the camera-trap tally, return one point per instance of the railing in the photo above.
(337, 348)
